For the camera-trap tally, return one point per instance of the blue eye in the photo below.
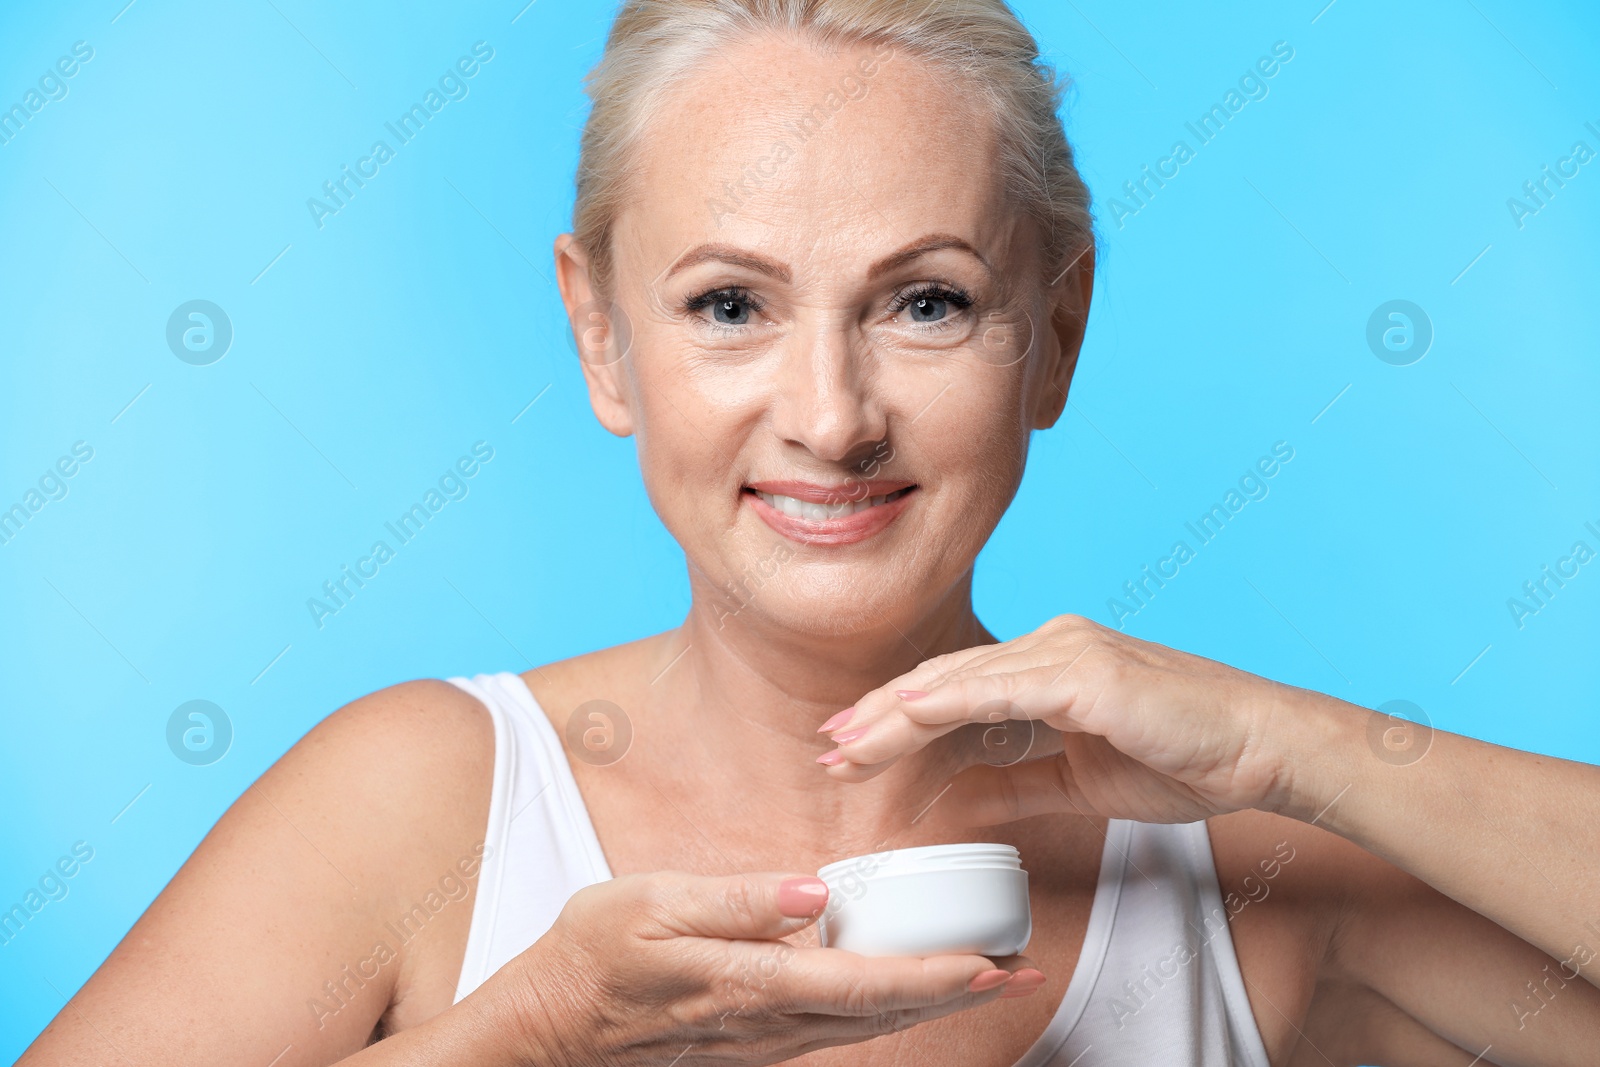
(930, 303)
(729, 306)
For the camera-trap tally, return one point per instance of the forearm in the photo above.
(1512, 835)
(478, 1031)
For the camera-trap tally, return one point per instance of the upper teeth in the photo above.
(805, 509)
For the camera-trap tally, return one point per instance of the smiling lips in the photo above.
(828, 515)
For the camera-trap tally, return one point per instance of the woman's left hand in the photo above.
(1145, 732)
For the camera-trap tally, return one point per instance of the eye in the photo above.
(930, 303)
(729, 306)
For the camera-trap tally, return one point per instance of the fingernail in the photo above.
(829, 759)
(988, 980)
(1024, 982)
(837, 721)
(850, 735)
(801, 898)
(910, 694)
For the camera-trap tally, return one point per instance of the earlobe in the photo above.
(601, 336)
(1052, 394)
(1068, 319)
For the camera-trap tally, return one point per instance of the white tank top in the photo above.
(1156, 982)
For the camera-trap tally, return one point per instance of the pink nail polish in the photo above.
(837, 721)
(910, 694)
(801, 898)
(1024, 982)
(988, 980)
(850, 735)
(830, 759)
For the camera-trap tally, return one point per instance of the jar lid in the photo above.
(926, 858)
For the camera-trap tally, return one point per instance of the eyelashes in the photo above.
(953, 295)
(737, 294)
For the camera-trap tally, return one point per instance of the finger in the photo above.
(1013, 964)
(1028, 691)
(833, 1030)
(832, 981)
(739, 907)
(988, 796)
(984, 699)
(999, 737)
(892, 735)
(1005, 744)
(924, 676)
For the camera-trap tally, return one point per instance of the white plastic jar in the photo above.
(927, 901)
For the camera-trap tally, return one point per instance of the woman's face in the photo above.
(826, 300)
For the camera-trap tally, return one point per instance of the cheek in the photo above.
(687, 433)
(981, 431)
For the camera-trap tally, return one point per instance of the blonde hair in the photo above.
(654, 43)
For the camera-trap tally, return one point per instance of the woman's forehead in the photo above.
(820, 153)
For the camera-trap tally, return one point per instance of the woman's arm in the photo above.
(1151, 733)
(265, 947)
(1349, 960)
(1512, 835)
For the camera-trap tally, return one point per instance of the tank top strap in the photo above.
(1166, 986)
(539, 844)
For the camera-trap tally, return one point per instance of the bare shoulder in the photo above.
(402, 742)
(383, 779)
(301, 882)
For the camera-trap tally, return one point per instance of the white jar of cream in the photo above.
(928, 901)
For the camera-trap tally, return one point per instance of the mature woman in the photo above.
(831, 265)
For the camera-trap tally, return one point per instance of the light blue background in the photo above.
(1229, 312)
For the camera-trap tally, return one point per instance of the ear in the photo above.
(601, 333)
(1069, 315)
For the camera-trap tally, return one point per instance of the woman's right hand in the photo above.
(690, 970)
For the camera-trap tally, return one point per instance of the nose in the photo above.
(824, 397)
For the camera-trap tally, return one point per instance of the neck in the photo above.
(744, 697)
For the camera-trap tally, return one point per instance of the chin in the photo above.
(827, 600)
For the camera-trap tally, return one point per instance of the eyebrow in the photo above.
(723, 253)
(739, 257)
(933, 242)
